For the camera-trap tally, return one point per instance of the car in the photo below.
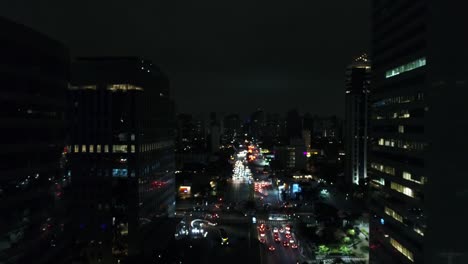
(261, 227)
(285, 244)
(275, 229)
(224, 237)
(294, 246)
(277, 239)
(262, 240)
(271, 248)
(288, 236)
(275, 234)
(281, 230)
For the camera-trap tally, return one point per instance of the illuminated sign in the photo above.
(119, 173)
(185, 189)
(296, 188)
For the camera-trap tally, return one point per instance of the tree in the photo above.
(345, 250)
(323, 250)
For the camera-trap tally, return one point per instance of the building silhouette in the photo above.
(356, 114)
(418, 132)
(122, 154)
(34, 72)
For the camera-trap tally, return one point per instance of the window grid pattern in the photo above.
(406, 67)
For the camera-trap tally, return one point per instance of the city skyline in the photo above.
(255, 132)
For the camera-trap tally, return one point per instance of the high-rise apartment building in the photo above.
(257, 124)
(231, 128)
(293, 125)
(418, 131)
(122, 154)
(292, 157)
(274, 126)
(357, 90)
(34, 72)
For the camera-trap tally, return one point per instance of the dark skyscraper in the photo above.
(231, 128)
(34, 78)
(257, 124)
(122, 160)
(273, 129)
(357, 90)
(418, 132)
(190, 134)
(293, 125)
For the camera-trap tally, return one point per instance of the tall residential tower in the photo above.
(419, 124)
(357, 90)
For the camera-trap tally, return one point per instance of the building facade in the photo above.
(122, 154)
(418, 132)
(257, 125)
(34, 72)
(292, 157)
(357, 89)
(231, 128)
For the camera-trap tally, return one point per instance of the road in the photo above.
(237, 191)
(244, 245)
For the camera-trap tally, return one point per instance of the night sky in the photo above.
(223, 56)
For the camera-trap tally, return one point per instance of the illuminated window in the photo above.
(404, 114)
(119, 173)
(106, 148)
(403, 99)
(119, 148)
(403, 144)
(76, 148)
(383, 168)
(98, 148)
(393, 214)
(132, 137)
(408, 254)
(82, 87)
(132, 148)
(406, 175)
(423, 180)
(380, 181)
(123, 87)
(401, 129)
(402, 189)
(419, 231)
(381, 142)
(91, 148)
(406, 67)
(83, 148)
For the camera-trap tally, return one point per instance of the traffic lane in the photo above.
(240, 248)
(237, 192)
(268, 196)
(281, 254)
(272, 197)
